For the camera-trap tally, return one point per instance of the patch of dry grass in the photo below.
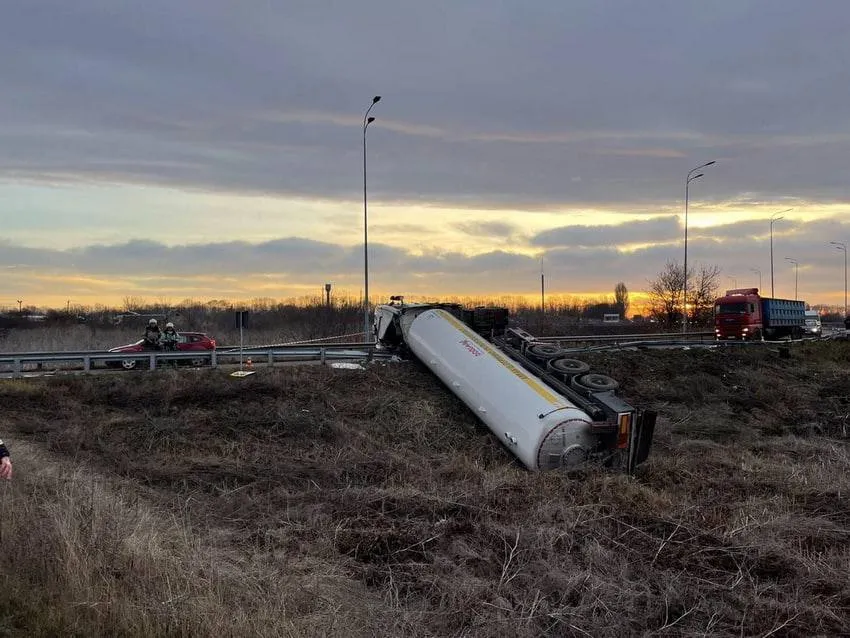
(88, 555)
(381, 500)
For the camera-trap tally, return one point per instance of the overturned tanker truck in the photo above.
(549, 411)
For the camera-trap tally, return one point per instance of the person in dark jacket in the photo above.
(5, 462)
(152, 335)
(169, 337)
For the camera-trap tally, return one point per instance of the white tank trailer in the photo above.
(547, 409)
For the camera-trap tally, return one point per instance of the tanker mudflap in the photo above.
(640, 441)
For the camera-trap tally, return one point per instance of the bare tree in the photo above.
(702, 292)
(665, 295)
(134, 304)
(621, 299)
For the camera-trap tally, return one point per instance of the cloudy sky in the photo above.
(213, 149)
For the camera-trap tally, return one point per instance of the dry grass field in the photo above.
(310, 501)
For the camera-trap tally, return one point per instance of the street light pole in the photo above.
(840, 245)
(691, 177)
(366, 122)
(796, 267)
(773, 219)
(542, 288)
(756, 270)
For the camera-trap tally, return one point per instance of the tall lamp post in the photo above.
(366, 122)
(840, 245)
(773, 219)
(796, 268)
(756, 270)
(691, 177)
(542, 288)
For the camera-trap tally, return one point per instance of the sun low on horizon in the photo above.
(233, 158)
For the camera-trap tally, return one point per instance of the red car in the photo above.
(186, 341)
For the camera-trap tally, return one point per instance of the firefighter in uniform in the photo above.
(152, 336)
(169, 337)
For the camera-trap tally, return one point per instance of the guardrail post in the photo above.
(153, 361)
(17, 368)
(213, 359)
(322, 355)
(271, 357)
(86, 364)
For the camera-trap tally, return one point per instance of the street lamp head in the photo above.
(710, 163)
(693, 177)
(376, 99)
(370, 120)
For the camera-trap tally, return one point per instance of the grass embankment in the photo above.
(315, 501)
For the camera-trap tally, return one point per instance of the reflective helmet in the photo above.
(169, 325)
(152, 322)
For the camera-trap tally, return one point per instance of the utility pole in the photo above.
(691, 177)
(773, 220)
(840, 245)
(366, 122)
(542, 288)
(757, 271)
(796, 267)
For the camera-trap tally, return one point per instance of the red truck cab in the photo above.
(738, 315)
(743, 314)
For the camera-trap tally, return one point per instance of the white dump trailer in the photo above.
(548, 410)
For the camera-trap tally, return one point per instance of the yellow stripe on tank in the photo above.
(529, 380)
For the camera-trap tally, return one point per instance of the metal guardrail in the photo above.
(323, 353)
(285, 346)
(657, 336)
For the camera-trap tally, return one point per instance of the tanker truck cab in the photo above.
(738, 315)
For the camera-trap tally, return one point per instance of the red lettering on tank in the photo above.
(466, 343)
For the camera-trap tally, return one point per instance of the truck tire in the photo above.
(597, 382)
(567, 368)
(543, 352)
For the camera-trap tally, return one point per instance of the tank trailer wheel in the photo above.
(598, 382)
(543, 351)
(568, 368)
